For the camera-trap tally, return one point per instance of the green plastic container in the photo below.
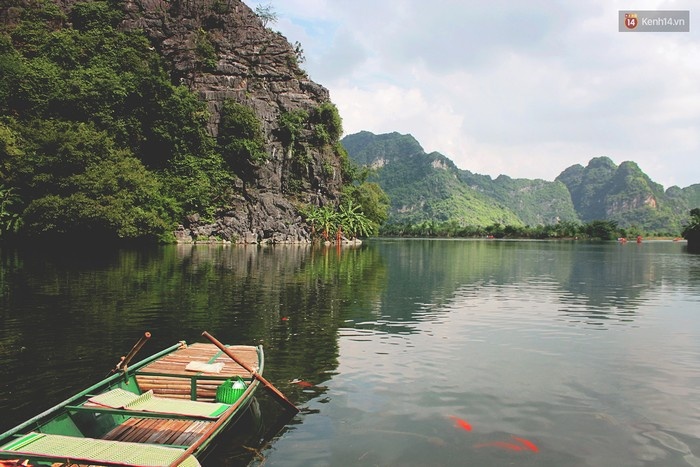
(230, 390)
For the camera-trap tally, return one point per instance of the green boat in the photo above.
(162, 411)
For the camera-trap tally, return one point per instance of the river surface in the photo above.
(409, 352)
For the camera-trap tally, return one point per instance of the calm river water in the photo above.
(412, 352)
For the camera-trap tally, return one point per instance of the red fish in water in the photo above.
(527, 443)
(463, 424)
(500, 444)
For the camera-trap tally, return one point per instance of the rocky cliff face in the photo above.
(220, 49)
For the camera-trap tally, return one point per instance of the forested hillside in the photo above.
(430, 188)
(423, 187)
(131, 120)
(624, 194)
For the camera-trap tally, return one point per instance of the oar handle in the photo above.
(275, 392)
(136, 348)
(124, 361)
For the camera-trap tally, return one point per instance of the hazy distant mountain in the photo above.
(429, 187)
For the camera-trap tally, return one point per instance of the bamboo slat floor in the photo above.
(160, 431)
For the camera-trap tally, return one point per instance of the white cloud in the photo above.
(522, 88)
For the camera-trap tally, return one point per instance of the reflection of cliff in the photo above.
(289, 298)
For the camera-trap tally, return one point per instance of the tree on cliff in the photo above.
(691, 232)
(266, 13)
(101, 135)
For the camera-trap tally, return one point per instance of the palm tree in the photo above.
(353, 221)
(319, 219)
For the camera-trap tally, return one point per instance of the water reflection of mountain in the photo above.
(594, 280)
(66, 306)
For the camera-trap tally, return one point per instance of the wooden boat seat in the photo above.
(96, 451)
(120, 399)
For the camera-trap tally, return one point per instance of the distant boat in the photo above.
(163, 411)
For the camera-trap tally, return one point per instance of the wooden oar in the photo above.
(124, 361)
(273, 390)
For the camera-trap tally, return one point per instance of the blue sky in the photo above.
(523, 88)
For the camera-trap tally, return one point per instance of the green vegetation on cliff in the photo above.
(430, 194)
(101, 136)
(423, 187)
(691, 232)
(623, 194)
(95, 141)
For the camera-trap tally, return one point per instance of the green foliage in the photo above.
(371, 200)
(241, 137)
(294, 185)
(422, 187)
(327, 124)
(691, 232)
(10, 146)
(9, 219)
(535, 202)
(11, 72)
(594, 230)
(603, 230)
(347, 218)
(94, 15)
(81, 185)
(429, 187)
(40, 88)
(291, 128)
(353, 221)
(38, 20)
(350, 172)
(54, 152)
(623, 194)
(205, 51)
(113, 199)
(178, 128)
(291, 125)
(365, 148)
(100, 144)
(298, 54)
(200, 183)
(266, 13)
(324, 219)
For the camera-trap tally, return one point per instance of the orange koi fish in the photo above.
(463, 424)
(527, 443)
(499, 444)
